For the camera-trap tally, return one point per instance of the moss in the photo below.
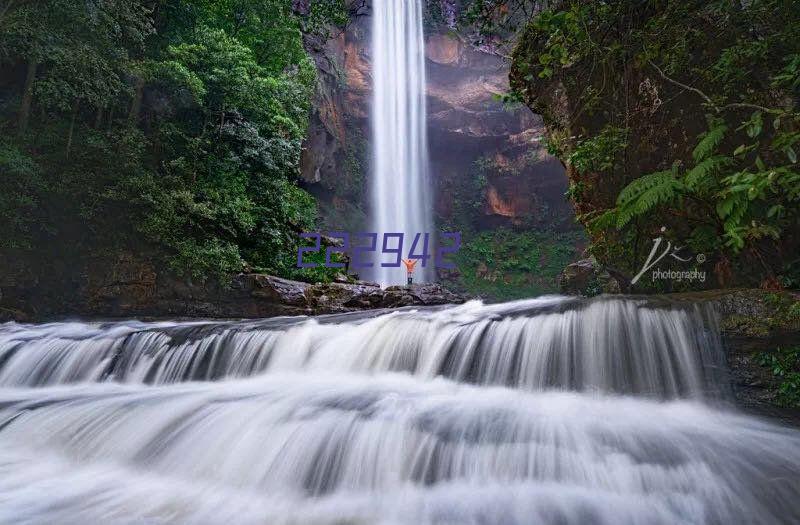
(746, 325)
(756, 313)
(785, 311)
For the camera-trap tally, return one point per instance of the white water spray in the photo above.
(401, 200)
(549, 411)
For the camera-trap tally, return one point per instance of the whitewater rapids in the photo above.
(610, 411)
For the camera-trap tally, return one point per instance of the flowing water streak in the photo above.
(401, 200)
(609, 345)
(326, 431)
(316, 448)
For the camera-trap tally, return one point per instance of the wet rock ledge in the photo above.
(755, 323)
(258, 295)
(248, 295)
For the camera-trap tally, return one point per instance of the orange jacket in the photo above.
(410, 263)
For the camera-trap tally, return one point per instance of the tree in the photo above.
(167, 129)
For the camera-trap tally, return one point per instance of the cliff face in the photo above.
(658, 134)
(672, 118)
(473, 136)
(484, 156)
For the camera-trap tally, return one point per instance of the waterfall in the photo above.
(552, 410)
(401, 200)
(609, 345)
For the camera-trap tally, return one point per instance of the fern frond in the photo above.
(645, 193)
(709, 142)
(639, 186)
(732, 209)
(607, 219)
(697, 178)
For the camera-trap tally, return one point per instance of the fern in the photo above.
(638, 186)
(708, 144)
(700, 177)
(729, 205)
(645, 193)
(732, 209)
(607, 219)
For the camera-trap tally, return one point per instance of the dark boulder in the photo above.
(587, 277)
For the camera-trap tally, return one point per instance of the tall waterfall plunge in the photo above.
(546, 411)
(401, 194)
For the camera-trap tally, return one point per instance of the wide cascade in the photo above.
(401, 200)
(551, 410)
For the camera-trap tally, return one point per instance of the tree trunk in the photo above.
(72, 128)
(98, 120)
(136, 105)
(27, 97)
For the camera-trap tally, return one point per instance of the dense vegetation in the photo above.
(505, 264)
(784, 365)
(681, 114)
(170, 129)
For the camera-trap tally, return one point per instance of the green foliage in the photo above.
(19, 204)
(599, 153)
(731, 187)
(645, 193)
(507, 262)
(81, 47)
(434, 17)
(564, 29)
(709, 142)
(468, 197)
(168, 129)
(325, 14)
(504, 264)
(784, 365)
(752, 200)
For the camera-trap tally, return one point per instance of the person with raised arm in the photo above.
(410, 263)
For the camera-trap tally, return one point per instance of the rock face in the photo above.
(617, 122)
(131, 287)
(335, 159)
(472, 136)
(587, 277)
(753, 323)
(756, 323)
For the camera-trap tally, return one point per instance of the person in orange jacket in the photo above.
(410, 263)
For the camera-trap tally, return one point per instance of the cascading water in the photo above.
(551, 410)
(401, 200)
(622, 346)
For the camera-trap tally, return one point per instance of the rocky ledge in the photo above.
(754, 325)
(264, 294)
(248, 295)
(588, 277)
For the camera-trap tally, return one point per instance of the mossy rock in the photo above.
(587, 277)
